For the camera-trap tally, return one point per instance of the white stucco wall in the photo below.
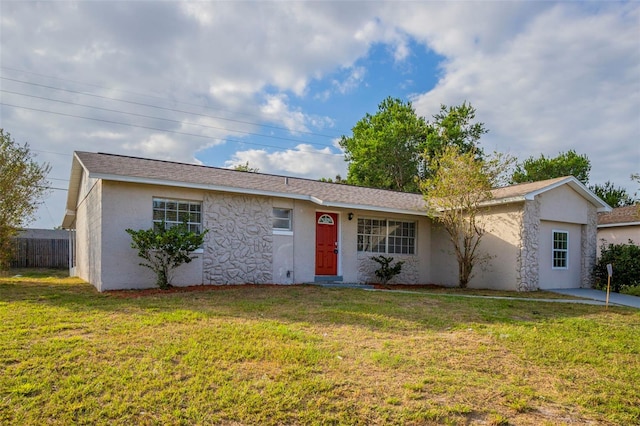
(500, 246)
(560, 278)
(564, 209)
(416, 268)
(283, 247)
(563, 204)
(618, 235)
(88, 231)
(127, 205)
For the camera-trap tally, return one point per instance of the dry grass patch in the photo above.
(308, 355)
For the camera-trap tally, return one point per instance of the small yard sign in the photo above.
(609, 273)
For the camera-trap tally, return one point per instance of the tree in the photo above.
(246, 168)
(165, 248)
(23, 186)
(384, 149)
(453, 126)
(565, 164)
(454, 194)
(338, 179)
(615, 197)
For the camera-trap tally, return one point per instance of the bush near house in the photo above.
(165, 248)
(386, 272)
(625, 259)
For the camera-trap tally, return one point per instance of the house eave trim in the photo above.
(247, 191)
(615, 225)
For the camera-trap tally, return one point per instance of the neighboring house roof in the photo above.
(44, 234)
(147, 171)
(621, 216)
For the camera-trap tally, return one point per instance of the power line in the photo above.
(163, 119)
(151, 97)
(155, 128)
(163, 108)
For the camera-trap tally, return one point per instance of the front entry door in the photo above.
(326, 243)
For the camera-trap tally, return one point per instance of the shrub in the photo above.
(386, 272)
(165, 249)
(625, 259)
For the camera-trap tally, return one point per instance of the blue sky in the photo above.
(277, 83)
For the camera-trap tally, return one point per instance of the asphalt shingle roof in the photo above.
(143, 170)
(629, 214)
(118, 167)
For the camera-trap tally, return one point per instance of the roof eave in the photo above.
(615, 225)
(74, 190)
(248, 191)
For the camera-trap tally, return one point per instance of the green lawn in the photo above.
(309, 355)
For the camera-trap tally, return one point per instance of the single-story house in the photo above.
(619, 226)
(283, 230)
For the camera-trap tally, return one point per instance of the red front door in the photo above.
(326, 243)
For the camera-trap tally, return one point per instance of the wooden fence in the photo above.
(40, 253)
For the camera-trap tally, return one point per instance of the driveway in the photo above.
(614, 298)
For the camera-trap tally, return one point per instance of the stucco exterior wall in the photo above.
(563, 204)
(89, 232)
(283, 248)
(565, 210)
(239, 245)
(528, 262)
(589, 247)
(500, 246)
(618, 235)
(560, 278)
(416, 268)
(127, 205)
(352, 266)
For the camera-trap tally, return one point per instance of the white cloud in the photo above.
(566, 80)
(302, 161)
(353, 80)
(275, 109)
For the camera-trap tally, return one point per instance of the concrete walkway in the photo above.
(614, 298)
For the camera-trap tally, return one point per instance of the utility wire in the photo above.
(163, 119)
(156, 128)
(154, 97)
(162, 108)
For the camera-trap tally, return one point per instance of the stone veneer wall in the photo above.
(367, 267)
(238, 248)
(589, 242)
(528, 265)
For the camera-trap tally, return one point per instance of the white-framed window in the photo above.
(560, 252)
(386, 236)
(282, 219)
(176, 212)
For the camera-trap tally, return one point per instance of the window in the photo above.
(560, 250)
(386, 236)
(282, 219)
(176, 212)
(402, 237)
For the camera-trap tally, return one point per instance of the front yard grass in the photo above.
(310, 355)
